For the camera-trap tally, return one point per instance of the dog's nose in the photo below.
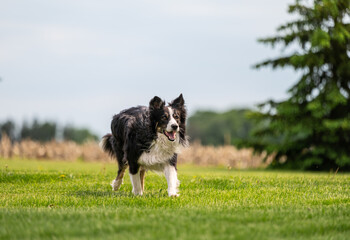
(174, 127)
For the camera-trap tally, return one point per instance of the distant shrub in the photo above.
(213, 128)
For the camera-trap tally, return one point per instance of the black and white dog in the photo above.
(148, 138)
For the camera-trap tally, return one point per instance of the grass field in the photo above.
(60, 200)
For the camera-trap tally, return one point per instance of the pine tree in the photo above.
(310, 130)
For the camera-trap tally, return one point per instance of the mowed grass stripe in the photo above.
(41, 199)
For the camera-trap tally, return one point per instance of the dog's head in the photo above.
(170, 119)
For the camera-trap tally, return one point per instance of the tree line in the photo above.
(45, 131)
(220, 128)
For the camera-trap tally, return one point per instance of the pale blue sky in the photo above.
(81, 62)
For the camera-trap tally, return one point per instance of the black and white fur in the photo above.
(148, 138)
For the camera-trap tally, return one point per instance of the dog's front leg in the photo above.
(173, 183)
(136, 183)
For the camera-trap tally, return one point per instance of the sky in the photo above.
(80, 62)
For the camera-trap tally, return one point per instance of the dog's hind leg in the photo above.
(118, 181)
(142, 178)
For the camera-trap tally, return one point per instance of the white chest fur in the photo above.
(160, 152)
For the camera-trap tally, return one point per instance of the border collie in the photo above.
(148, 138)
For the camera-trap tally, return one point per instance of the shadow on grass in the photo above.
(148, 194)
(102, 193)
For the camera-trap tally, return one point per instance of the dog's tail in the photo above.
(107, 144)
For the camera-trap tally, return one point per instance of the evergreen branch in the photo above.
(301, 9)
(299, 24)
(301, 36)
(279, 62)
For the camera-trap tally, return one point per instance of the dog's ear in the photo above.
(156, 103)
(178, 102)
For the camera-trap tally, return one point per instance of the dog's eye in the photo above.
(176, 116)
(164, 118)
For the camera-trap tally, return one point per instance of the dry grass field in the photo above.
(196, 154)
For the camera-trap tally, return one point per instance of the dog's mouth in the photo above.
(170, 135)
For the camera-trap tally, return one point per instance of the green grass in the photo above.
(61, 200)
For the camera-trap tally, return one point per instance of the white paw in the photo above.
(137, 193)
(116, 184)
(174, 195)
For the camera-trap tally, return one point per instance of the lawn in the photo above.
(64, 200)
